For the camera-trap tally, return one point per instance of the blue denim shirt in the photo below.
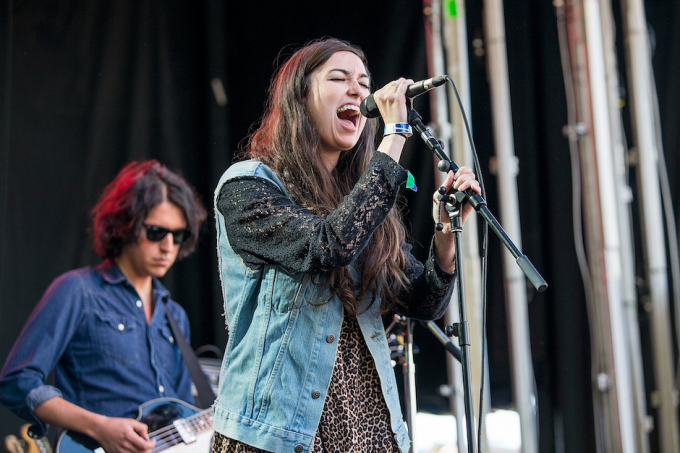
(282, 345)
(90, 328)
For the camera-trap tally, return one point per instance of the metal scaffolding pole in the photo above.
(442, 128)
(446, 34)
(507, 167)
(604, 248)
(641, 85)
(597, 125)
(632, 405)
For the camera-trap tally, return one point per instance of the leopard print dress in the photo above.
(355, 417)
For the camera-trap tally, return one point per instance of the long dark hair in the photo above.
(127, 200)
(287, 142)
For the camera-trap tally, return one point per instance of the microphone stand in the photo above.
(443, 339)
(452, 203)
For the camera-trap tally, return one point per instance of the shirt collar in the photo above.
(112, 274)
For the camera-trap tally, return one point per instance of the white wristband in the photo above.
(403, 129)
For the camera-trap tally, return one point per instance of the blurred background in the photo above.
(573, 113)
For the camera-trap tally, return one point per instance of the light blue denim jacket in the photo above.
(278, 365)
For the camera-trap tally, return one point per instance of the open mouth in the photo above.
(349, 113)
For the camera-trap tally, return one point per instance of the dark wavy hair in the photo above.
(127, 200)
(287, 142)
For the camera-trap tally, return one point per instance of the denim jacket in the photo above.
(90, 327)
(284, 328)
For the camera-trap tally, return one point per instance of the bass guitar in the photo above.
(176, 426)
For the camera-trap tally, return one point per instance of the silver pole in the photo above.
(632, 405)
(654, 246)
(523, 381)
(410, 385)
(605, 256)
(591, 49)
(439, 116)
(573, 52)
(441, 126)
(447, 44)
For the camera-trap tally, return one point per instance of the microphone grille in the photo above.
(369, 108)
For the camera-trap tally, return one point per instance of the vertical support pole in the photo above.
(593, 56)
(447, 54)
(523, 380)
(641, 83)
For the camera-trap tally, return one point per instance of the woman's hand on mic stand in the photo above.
(444, 241)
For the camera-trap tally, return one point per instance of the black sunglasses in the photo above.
(155, 233)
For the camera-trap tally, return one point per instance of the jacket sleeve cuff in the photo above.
(395, 173)
(432, 265)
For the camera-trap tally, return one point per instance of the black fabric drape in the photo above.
(90, 86)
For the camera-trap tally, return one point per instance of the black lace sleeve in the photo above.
(265, 226)
(431, 288)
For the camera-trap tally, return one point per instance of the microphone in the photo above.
(369, 108)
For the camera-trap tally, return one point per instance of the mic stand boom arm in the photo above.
(477, 202)
(453, 203)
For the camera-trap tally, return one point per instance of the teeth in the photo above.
(348, 107)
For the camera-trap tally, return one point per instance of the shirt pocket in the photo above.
(166, 349)
(119, 337)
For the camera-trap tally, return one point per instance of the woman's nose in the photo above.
(354, 87)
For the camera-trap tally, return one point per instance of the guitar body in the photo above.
(176, 426)
(34, 444)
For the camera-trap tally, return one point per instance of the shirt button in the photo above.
(121, 327)
(299, 448)
(171, 339)
(161, 388)
(316, 394)
(139, 303)
(330, 338)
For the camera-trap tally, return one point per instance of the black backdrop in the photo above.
(89, 86)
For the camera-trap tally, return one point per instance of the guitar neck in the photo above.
(182, 430)
(201, 421)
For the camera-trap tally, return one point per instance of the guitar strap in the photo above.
(205, 393)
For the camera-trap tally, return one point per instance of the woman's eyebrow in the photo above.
(349, 73)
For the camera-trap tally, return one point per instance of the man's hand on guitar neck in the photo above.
(114, 434)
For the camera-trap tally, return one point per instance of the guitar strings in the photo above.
(169, 434)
